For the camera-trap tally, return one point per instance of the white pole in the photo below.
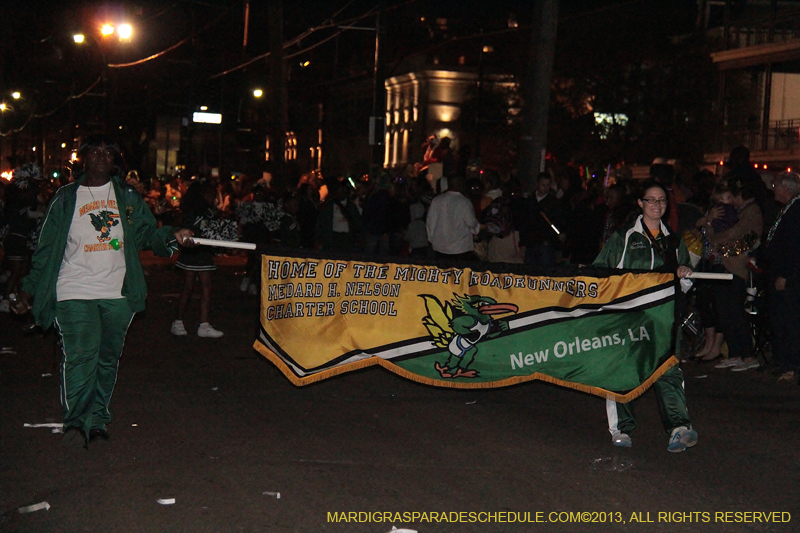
(710, 275)
(225, 244)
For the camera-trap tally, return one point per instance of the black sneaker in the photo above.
(99, 435)
(74, 439)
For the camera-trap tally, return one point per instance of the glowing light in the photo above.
(207, 118)
(125, 31)
(788, 169)
(305, 64)
(444, 113)
(606, 122)
(73, 157)
(765, 167)
(78, 38)
(488, 49)
(722, 163)
(203, 108)
(755, 165)
(107, 29)
(258, 93)
(3, 107)
(15, 95)
(63, 145)
(6, 175)
(34, 148)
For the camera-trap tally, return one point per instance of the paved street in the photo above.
(215, 426)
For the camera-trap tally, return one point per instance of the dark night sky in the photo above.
(38, 56)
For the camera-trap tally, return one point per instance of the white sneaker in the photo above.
(252, 289)
(729, 362)
(746, 364)
(178, 328)
(206, 330)
(5, 307)
(681, 438)
(622, 439)
(244, 284)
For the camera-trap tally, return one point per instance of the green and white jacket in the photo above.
(138, 226)
(630, 248)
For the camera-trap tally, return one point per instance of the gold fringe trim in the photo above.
(596, 391)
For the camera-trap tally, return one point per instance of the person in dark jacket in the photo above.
(741, 174)
(543, 225)
(783, 266)
(339, 227)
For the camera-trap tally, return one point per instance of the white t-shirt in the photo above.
(91, 268)
(451, 223)
(340, 223)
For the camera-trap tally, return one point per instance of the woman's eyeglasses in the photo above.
(655, 201)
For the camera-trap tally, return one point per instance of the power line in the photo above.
(296, 40)
(171, 48)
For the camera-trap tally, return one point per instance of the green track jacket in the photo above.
(630, 248)
(139, 227)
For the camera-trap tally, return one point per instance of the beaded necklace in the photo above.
(107, 197)
(780, 216)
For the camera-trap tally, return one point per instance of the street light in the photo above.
(258, 93)
(15, 95)
(105, 47)
(124, 31)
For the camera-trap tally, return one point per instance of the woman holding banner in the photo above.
(87, 280)
(647, 244)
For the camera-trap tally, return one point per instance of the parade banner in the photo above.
(462, 328)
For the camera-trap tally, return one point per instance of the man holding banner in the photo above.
(649, 245)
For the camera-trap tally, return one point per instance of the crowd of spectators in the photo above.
(564, 216)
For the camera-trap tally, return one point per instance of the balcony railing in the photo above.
(781, 136)
(752, 31)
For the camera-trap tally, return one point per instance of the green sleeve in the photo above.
(611, 253)
(46, 248)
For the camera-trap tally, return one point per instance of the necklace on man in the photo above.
(114, 243)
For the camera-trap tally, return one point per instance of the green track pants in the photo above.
(671, 399)
(92, 337)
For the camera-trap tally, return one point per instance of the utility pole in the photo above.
(537, 90)
(378, 96)
(277, 95)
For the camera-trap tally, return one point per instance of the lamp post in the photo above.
(123, 32)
